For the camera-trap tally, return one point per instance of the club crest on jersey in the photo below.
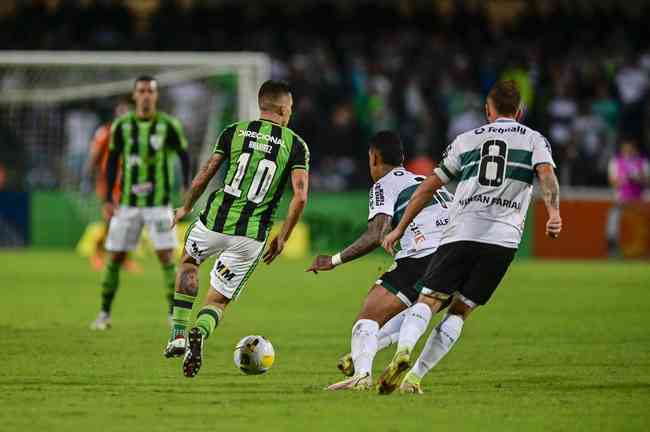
(133, 160)
(156, 141)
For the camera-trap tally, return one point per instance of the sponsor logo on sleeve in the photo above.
(379, 195)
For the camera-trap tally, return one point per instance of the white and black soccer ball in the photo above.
(254, 355)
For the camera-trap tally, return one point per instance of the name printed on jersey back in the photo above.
(490, 201)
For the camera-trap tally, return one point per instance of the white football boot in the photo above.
(102, 322)
(357, 382)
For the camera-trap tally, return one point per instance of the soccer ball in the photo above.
(254, 355)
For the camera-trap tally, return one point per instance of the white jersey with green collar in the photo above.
(391, 194)
(494, 165)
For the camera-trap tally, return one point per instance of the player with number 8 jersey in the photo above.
(263, 155)
(495, 166)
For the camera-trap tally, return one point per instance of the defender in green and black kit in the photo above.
(262, 156)
(145, 143)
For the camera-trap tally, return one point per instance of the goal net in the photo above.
(51, 103)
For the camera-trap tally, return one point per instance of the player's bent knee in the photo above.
(380, 305)
(165, 255)
(436, 299)
(216, 298)
(434, 303)
(462, 306)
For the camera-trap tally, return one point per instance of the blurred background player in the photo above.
(495, 165)
(262, 155)
(144, 141)
(97, 167)
(629, 175)
(385, 304)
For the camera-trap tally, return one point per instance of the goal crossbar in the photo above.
(250, 68)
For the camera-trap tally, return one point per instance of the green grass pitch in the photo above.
(561, 347)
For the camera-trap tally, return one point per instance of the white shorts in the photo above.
(238, 257)
(127, 223)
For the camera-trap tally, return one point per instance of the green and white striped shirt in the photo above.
(495, 167)
(145, 148)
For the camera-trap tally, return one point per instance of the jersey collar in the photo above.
(388, 172)
(270, 121)
(505, 120)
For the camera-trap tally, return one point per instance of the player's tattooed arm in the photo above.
(549, 185)
(378, 227)
(198, 185)
(551, 195)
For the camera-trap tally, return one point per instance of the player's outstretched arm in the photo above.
(378, 227)
(198, 186)
(551, 194)
(422, 195)
(300, 185)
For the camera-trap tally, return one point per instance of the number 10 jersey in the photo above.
(261, 155)
(494, 166)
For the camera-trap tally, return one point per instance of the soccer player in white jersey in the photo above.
(494, 165)
(396, 289)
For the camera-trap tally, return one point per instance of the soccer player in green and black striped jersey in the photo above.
(145, 142)
(263, 155)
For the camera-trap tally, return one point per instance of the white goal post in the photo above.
(251, 70)
(51, 102)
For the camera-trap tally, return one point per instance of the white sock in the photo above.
(440, 341)
(389, 332)
(364, 345)
(414, 325)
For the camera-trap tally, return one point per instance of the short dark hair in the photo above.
(389, 146)
(505, 97)
(144, 78)
(271, 90)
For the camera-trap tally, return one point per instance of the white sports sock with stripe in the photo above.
(364, 345)
(414, 325)
(440, 342)
(389, 332)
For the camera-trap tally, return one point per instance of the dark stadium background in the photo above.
(563, 345)
(422, 68)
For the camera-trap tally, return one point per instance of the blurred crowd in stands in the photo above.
(422, 68)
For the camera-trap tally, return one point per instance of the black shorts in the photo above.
(401, 279)
(470, 268)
